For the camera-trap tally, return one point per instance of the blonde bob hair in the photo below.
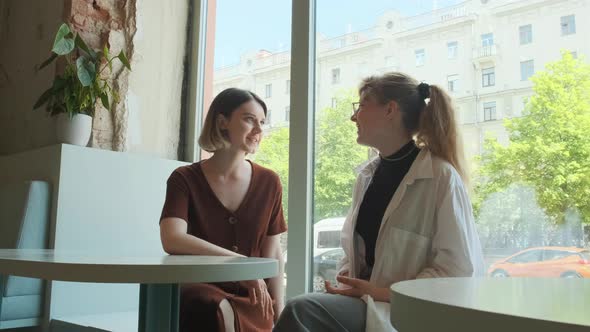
(225, 103)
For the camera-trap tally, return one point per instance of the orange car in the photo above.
(565, 262)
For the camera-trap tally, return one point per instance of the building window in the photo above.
(268, 117)
(287, 113)
(489, 111)
(488, 76)
(526, 34)
(527, 69)
(574, 54)
(420, 57)
(568, 25)
(334, 102)
(335, 75)
(487, 39)
(453, 83)
(287, 87)
(452, 50)
(268, 90)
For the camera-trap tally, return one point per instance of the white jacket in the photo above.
(427, 231)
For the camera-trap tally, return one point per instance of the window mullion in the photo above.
(301, 146)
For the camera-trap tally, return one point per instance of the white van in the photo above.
(327, 251)
(326, 235)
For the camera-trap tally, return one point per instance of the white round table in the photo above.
(491, 304)
(158, 274)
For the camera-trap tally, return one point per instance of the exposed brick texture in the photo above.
(112, 22)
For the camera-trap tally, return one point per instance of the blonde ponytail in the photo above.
(438, 131)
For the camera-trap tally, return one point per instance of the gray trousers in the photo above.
(323, 312)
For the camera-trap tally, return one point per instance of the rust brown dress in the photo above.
(189, 197)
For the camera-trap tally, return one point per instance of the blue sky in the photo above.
(243, 26)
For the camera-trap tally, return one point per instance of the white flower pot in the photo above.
(75, 131)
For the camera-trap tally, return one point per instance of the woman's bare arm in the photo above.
(176, 241)
(271, 248)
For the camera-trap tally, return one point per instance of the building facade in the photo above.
(482, 52)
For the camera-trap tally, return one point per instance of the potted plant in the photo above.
(73, 95)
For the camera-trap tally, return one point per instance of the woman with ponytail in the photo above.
(410, 216)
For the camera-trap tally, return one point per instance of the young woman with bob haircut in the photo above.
(227, 206)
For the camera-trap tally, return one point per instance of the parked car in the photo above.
(326, 237)
(325, 267)
(564, 262)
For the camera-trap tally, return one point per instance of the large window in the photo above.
(487, 39)
(527, 69)
(568, 25)
(420, 57)
(251, 56)
(534, 198)
(335, 75)
(512, 217)
(489, 111)
(452, 50)
(525, 33)
(453, 83)
(488, 76)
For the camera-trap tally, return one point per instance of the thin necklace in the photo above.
(400, 158)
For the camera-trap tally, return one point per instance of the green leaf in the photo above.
(43, 98)
(63, 44)
(48, 61)
(123, 58)
(105, 51)
(82, 45)
(59, 83)
(86, 71)
(104, 98)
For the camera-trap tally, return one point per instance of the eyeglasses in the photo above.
(355, 108)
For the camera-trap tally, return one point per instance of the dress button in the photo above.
(234, 248)
(232, 220)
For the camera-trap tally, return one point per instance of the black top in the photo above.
(386, 180)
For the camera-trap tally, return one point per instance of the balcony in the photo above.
(485, 53)
(436, 16)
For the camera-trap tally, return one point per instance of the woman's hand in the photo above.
(357, 288)
(350, 287)
(258, 293)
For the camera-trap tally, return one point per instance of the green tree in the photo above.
(336, 156)
(548, 149)
(274, 154)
